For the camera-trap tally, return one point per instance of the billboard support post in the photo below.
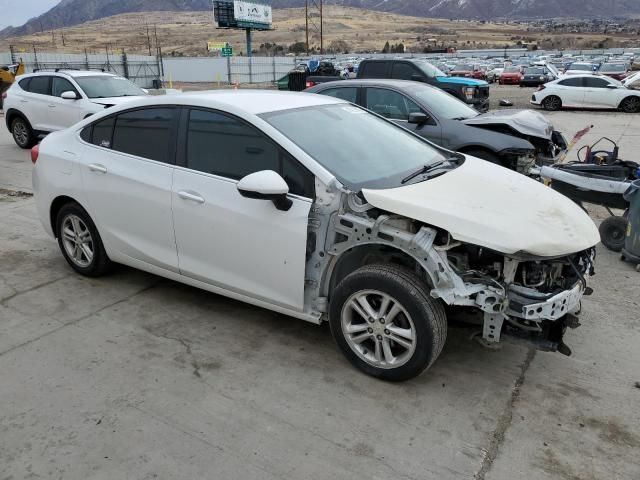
(248, 35)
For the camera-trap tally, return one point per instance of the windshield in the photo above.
(443, 105)
(429, 69)
(108, 86)
(463, 67)
(512, 70)
(359, 148)
(534, 71)
(613, 67)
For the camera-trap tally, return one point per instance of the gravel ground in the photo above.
(520, 96)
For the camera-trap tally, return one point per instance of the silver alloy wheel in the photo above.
(20, 133)
(378, 329)
(77, 240)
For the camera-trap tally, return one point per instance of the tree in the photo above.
(338, 46)
(386, 48)
(298, 47)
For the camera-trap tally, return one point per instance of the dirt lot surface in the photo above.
(133, 376)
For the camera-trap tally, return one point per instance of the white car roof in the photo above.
(251, 101)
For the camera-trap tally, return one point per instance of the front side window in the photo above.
(40, 85)
(596, 82)
(348, 93)
(364, 151)
(144, 133)
(390, 104)
(403, 71)
(105, 86)
(61, 85)
(225, 146)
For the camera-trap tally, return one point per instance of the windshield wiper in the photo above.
(429, 168)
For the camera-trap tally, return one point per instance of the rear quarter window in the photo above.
(24, 84)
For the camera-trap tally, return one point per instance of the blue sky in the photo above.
(17, 12)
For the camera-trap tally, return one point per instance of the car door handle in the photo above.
(194, 197)
(24, 101)
(52, 106)
(94, 167)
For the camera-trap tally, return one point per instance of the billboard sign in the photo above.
(252, 12)
(216, 46)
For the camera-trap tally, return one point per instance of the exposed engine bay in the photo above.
(531, 298)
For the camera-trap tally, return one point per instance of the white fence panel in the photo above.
(195, 69)
(260, 69)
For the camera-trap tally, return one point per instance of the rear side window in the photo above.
(375, 69)
(348, 93)
(403, 71)
(103, 132)
(144, 133)
(40, 85)
(224, 146)
(571, 82)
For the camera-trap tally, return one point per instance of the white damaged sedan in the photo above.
(315, 208)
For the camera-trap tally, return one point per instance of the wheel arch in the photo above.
(624, 99)
(57, 204)
(367, 254)
(13, 113)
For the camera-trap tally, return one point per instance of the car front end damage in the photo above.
(527, 298)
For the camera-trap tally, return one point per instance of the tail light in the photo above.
(309, 84)
(4, 95)
(35, 151)
(541, 87)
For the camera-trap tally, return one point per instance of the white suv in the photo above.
(43, 102)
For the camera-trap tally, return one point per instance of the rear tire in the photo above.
(612, 233)
(630, 105)
(552, 103)
(80, 242)
(22, 133)
(400, 330)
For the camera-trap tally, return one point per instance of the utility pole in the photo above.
(313, 13)
(148, 40)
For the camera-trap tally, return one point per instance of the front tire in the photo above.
(22, 133)
(386, 323)
(80, 242)
(552, 103)
(612, 233)
(630, 105)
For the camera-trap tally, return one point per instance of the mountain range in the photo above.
(73, 12)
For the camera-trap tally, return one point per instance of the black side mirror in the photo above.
(418, 118)
(417, 78)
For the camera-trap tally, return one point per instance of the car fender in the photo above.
(466, 136)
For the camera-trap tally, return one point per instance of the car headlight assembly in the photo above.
(469, 92)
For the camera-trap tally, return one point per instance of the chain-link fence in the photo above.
(258, 69)
(143, 70)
